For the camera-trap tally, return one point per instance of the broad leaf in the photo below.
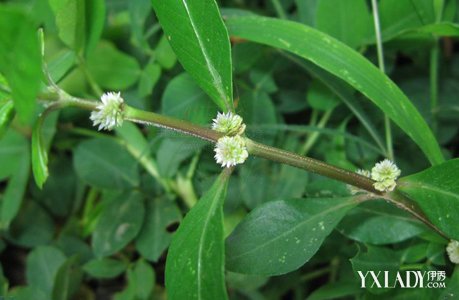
(379, 223)
(6, 115)
(198, 36)
(349, 21)
(111, 68)
(280, 236)
(436, 190)
(195, 262)
(119, 223)
(105, 164)
(68, 279)
(154, 238)
(20, 60)
(346, 64)
(43, 264)
(104, 267)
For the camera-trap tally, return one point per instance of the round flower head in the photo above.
(230, 151)
(228, 123)
(453, 251)
(355, 190)
(385, 173)
(109, 113)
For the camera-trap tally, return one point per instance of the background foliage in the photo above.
(100, 226)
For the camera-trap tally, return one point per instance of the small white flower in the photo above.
(355, 190)
(109, 113)
(230, 151)
(453, 251)
(228, 123)
(385, 173)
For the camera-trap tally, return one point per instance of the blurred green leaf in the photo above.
(141, 280)
(436, 191)
(349, 21)
(198, 36)
(119, 223)
(154, 237)
(67, 280)
(280, 236)
(27, 293)
(183, 99)
(20, 60)
(164, 54)
(104, 163)
(148, 79)
(345, 63)
(6, 115)
(12, 198)
(195, 262)
(39, 154)
(80, 22)
(378, 260)
(105, 267)
(43, 264)
(320, 97)
(111, 68)
(32, 227)
(379, 223)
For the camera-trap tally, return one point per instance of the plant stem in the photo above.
(315, 135)
(434, 57)
(279, 9)
(311, 165)
(379, 47)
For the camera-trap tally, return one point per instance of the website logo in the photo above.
(402, 279)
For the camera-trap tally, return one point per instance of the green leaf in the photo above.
(344, 63)
(280, 236)
(195, 261)
(80, 22)
(14, 193)
(43, 264)
(379, 223)
(20, 60)
(6, 115)
(141, 280)
(320, 97)
(39, 153)
(32, 227)
(183, 99)
(104, 268)
(104, 163)
(27, 293)
(349, 21)
(148, 79)
(154, 238)
(165, 54)
(111, 68)
(377, 260)
(13, 147)
(70, 20)
(119, 223)
(61, 64)
(436, 190)
(198, 36)
(68, 279)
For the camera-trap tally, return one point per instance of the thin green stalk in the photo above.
(379, 47)
(279, 9)
(315, 135)
(92, 82)
(434, 58)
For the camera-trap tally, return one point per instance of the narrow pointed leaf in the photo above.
(436, 190)
(195, 263)
(345, 63)
(280, 236)
(6, 115)
(199, 38)
(39, 154)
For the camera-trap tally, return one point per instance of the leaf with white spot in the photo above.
(280, 236)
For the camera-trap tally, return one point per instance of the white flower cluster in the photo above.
(230, 149)
(385, 173)
(453, 251)
(229, 124)
(109, 113)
